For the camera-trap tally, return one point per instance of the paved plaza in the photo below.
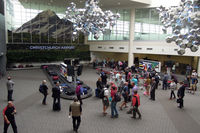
(160, 116)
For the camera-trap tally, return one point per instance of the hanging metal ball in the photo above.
(181, 51)
(194, 48)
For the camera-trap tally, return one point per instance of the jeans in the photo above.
(10, 92)
(113, 109)
(13, 124)
(76, 122)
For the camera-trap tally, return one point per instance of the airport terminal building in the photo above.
(137, 34)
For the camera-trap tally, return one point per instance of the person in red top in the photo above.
(114, 112)
(9, 118)
(136, 104)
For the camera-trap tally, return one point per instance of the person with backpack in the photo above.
(105, 100)
(125, 95)
(114, 112)
(157, 79)
(136, 104)
(78, 92)
(44, 90)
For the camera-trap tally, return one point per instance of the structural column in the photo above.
(2, 40)
(131, 38)
(198, 67)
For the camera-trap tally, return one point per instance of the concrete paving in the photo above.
(160, 116)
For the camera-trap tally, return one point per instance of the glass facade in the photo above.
(148, 25)
(118, 32)
(31, 22)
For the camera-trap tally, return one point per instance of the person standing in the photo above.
(105, 99)
(78, 92)
(165, 80)
(136, 104)
(125, 94)
(44, 89)
(9, 118)
(173, 87)
(181, 94)
(157, 78)
(104, 78)
(56, 97)
(10, 85)
(114, 112)
(153, 89)
(193, 83)
(75, 110)
(188, 69)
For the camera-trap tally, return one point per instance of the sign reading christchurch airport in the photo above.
(51, 47)
(42, 46)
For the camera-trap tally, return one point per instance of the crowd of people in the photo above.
(111, 86)
(126, 82)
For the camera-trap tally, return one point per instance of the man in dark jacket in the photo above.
(56, 96)
(44, 88)
(9, 118)
(181, 94)
(153, 89)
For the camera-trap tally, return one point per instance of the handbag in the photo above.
(178, 100)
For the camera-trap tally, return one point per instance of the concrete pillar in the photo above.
(198, 67)
(131, 38)
(2, 41)
(86, 40)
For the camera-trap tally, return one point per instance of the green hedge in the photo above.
(14, 56)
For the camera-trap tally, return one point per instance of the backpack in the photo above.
(117, 97)
(136, 103)
(41, 90)
(101, 94)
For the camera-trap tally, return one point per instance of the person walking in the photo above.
(10, 85)
(181, 94)
(173, 87)
(75, 110)
(44, 91)
(56, 97)
(136, 104)
(114, 112)
(9, 118)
